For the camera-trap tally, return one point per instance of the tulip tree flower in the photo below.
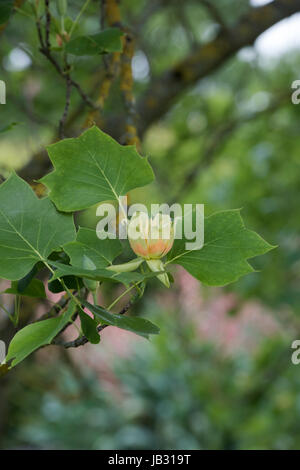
(151, 239)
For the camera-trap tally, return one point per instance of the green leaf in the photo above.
(6, 9)
(100, 274)
(140, 326)
(35, 288)
(30, 228)
(93, 168)
(89, 247)
(89, 327)
(227, 246)
(106, 41)
(96, 274)
(36, 335)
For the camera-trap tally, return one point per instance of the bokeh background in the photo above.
(219, 376)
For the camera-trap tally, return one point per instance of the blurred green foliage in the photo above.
(232, 141)
(173, 393)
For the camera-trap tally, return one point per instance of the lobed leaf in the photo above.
(227, 247)
(35, 335)
(89, 246)
(30, 228)
(93, 168)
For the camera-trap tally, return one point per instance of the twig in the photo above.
(39, 30)
(66, 109)
(48, 23)
(102, 14)
(45, 49)
(75, 84)
(82, 340)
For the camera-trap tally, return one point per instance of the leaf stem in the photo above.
(7, 313)
(122, 295)
(78, 17)
(63, 284)
(17, 310)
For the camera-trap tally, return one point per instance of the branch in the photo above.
(204, 60)
(82, 340)
(48, 23)
(67, 105)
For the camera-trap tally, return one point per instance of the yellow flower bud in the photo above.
(151, 238)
